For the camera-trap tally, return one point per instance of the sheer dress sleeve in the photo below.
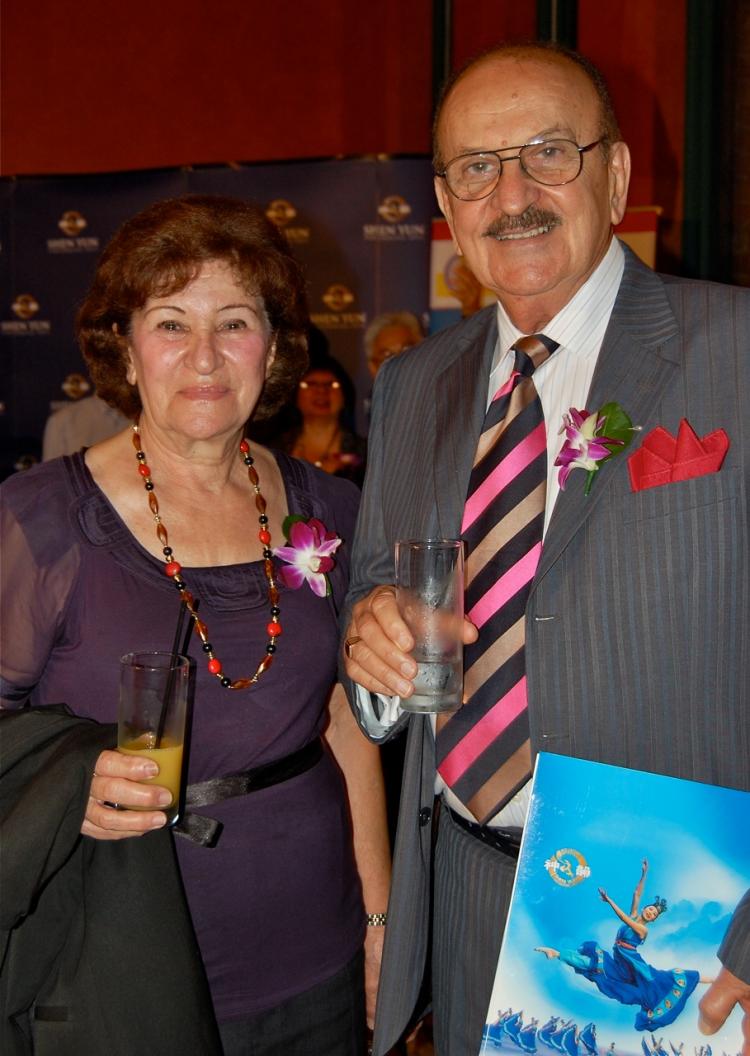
(40, 558)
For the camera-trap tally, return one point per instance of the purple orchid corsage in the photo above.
(592, 439)
(308, 555)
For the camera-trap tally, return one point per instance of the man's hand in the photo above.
(378, 644)
(726, 992)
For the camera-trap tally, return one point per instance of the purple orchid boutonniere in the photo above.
(592, 439)
(308, 556)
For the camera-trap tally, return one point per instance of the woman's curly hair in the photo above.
(159, 252)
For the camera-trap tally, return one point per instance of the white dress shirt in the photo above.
(563, 381)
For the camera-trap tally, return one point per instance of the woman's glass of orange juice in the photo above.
(151, 718)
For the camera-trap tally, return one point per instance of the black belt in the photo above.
(506, 840)
(205, 831)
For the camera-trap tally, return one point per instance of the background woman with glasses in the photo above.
(324, 432)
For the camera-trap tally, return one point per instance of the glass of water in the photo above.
(430, 597)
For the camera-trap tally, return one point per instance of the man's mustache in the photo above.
(530, 218)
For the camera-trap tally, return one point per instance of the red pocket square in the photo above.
(662, 459)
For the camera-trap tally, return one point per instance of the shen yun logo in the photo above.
(338, 299)
(394, 210)
(72, 223)
(281, 213)
(25, 306)
(567, 867)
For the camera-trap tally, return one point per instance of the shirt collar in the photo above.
(579, 326)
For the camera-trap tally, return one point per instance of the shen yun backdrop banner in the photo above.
(626, 883)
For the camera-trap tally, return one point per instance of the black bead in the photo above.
(275, 611)
(141, 456)
(226, 682)
(149, 485)
(263, 519)
(270, 648)
(179, 583)
(207, 647)
(248, 460)
(267, 553)
(167, 551)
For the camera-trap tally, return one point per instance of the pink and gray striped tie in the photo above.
(483, 749)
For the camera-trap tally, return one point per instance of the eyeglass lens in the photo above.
(320, 384)
(554, 162)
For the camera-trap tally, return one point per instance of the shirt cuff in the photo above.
(378, 713)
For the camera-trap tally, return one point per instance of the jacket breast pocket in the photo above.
(681, 498)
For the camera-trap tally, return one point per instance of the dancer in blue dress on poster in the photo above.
(623, 975)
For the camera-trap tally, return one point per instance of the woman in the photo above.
(194, 323)
(623, 975)
(324, 435)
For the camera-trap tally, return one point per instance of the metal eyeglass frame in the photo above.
(519, 158)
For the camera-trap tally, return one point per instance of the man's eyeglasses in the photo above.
(552, 162)
(327, 385)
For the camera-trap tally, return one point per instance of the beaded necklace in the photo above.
(173, 569)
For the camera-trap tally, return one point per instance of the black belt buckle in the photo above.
(504, 840)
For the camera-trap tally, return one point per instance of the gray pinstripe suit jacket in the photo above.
(643, 659)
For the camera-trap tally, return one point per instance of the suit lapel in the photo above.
(460, 403)
(639, 355)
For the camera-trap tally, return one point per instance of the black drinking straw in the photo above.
(170, 679)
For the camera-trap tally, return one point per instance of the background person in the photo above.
(324, 432)
(389, 334)
(80, 424)
(619, 637)
(194, 323)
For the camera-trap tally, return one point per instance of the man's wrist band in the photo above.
(376, 920)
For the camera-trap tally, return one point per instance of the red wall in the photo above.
(478, 24)
(92, 86)
(640, 46)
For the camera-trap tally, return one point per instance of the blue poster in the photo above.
(626, 884)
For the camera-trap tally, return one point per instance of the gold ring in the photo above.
(349, 643)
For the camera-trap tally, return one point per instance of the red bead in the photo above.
(273, 629)
(144, 470)
(264, 535)
(173, 568)
(214, 666)
(244, 447)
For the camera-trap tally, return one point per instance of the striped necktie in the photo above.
(483, 749)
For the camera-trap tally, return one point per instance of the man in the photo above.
(635, 618)
(388, 335)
